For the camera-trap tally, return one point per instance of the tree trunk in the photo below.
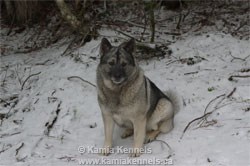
(152, 21)
(71, 18)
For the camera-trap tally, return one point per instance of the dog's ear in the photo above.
(129, 46)
(105, 46)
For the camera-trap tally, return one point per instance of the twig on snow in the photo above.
(17, 150)
(221, 106)
(82, 80)
(205, 111)
(131, 23)
(244, 70)
(203, 116)
(157, 140)
(29, 78)
(241, 25)
(4, 149)
(4, 79)
(69, 46)
(67, 158)
(10, 134)
(126, 34)
(195, 72)
(231, 93)
(43, 63)
(21, 159)
(237, 76)
(234, 58)
(19, 79)
(179, 21)
(49, 125)
(169, 147)
(172, 62)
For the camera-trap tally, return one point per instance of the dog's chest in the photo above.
(124, 116)
(122, 121)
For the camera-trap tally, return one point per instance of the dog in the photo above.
(130, 99)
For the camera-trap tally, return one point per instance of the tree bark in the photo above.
(152, 21)
(71, 18)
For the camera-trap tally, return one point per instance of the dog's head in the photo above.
(117, 64)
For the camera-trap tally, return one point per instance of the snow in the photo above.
(223, 140)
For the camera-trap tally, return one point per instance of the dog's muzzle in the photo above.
(118, 80)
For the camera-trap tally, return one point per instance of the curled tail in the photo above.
(175, 100)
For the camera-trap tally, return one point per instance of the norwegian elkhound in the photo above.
(126, 96)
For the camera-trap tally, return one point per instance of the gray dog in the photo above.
(126, 96)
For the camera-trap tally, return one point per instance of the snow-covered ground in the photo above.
(223, 140)
(46, 114)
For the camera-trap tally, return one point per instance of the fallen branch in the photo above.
(212, 101)
(17, 150)
(69, 45)
(241, 25)
(130, 22)
(4, 149)
(244, 70)
(156, 140)
(208, 123)
(218, 107)
(51, 123)
(203, 116)
(43, 63)
(237, 76)
(173, 62)
(169, 147)
(145, 28)
(195, 72)
(21, 159)
(29, 78)
(231, 93)
(126, 34)
(9, 134)
(179, 21)
(36, 101)
(171, 33)
(18, 78)
(3, 101)
(4, 79)
(67, 158)
(234, 58)
(82, 80)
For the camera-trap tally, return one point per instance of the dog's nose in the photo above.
(117, 75)
(117, 72)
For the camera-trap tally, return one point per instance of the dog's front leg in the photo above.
(108, 129)
(139, 136)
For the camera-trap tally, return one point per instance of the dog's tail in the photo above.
(175, 100)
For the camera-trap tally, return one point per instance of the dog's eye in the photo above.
(124, 64)
(111, 63)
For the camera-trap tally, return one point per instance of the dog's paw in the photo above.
(127, 133)
(136, 153)
(105, 151)
(151, 136)
(149, 139)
